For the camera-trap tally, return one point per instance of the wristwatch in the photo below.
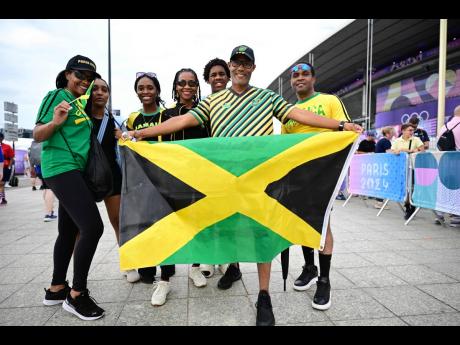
(341, 125)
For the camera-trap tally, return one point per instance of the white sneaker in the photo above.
(207, 270)
(132, 276)
(223, 268)
(197, 277)
(160, 291)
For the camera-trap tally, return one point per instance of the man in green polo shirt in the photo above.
(243, 110)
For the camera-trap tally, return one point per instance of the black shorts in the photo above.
(6, 174)
(116, 174)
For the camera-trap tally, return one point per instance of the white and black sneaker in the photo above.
(83, 306)
(307, 278)
(322, 298)
(53, 298)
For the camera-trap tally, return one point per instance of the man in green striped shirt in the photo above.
(243, 110)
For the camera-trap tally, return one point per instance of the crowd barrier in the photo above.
(434, 183)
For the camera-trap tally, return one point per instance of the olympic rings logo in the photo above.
(423, 116)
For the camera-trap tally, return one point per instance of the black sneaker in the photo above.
(34, 188)
(307, 278)
(322, 298)
(53, 298)
(232, 274)
(83, 306)
(3, 202)
(265, 316)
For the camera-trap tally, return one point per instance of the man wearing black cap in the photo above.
(243, 110)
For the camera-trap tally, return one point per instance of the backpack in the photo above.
(446, 141)
(35, 152)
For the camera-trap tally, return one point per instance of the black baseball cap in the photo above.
(244, 50)
(80, 63)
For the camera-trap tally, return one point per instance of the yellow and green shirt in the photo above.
(56, 157)
(248, 114)
(140, 120)
(322, 104)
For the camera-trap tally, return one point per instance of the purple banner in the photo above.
(426, 112)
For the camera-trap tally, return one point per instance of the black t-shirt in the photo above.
(422, 134)
(366, 146)
(188, 133)
(382, 145)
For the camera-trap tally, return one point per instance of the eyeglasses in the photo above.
(191, 83)
(302, 66)
(89, 76)
(238, 63)
(148, 74)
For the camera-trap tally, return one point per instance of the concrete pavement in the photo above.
(383, 273)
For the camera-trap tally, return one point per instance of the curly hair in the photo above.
(211, 64)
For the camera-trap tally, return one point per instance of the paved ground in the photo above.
(383, 273)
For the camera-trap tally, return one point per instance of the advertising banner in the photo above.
(437, 181)
(381, 175)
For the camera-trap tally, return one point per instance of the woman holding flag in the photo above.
(64, 128)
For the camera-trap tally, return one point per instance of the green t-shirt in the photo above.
(56, 157)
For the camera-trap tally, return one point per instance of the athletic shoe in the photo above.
(160, 291)
(49, 217)
(265, 316)
(132, 276)
(83, 306)
(307, 278)
(207, 270)
(340, 196)
(322, 298)
(53, 298)
(232, 274)
(3, 202)
(34, 188)
(197, 277)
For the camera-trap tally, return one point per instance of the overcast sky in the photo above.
(33, 52)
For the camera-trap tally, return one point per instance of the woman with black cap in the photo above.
(65, 131)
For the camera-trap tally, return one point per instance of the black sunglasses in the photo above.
(84, 76)
(191, 83)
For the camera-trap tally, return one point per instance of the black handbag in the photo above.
(97, 173)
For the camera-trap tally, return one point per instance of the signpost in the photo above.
(11, 131)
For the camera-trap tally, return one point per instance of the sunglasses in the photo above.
(191, 83)
(301, 66)
(84, 76)
(148, 74)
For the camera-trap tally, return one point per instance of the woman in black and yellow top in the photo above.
(148, 90)
(65, 132)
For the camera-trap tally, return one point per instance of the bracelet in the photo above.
(125, 135)
(341, 125)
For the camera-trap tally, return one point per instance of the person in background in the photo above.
(419, 132)
(8, 157)
(101, 117)
(367, 145)
(34, 155)
(384, 146)
(410, 144)
(1, 165)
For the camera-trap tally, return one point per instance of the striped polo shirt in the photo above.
(248, 114)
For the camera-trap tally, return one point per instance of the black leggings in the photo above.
(78, 213)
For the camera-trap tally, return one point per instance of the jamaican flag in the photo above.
(220, 200)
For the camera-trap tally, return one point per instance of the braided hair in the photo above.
(155, 81)
(175, 94)
(211, 64)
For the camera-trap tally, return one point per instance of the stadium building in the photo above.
(402, 55)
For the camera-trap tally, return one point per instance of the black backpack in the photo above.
(446, 141)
